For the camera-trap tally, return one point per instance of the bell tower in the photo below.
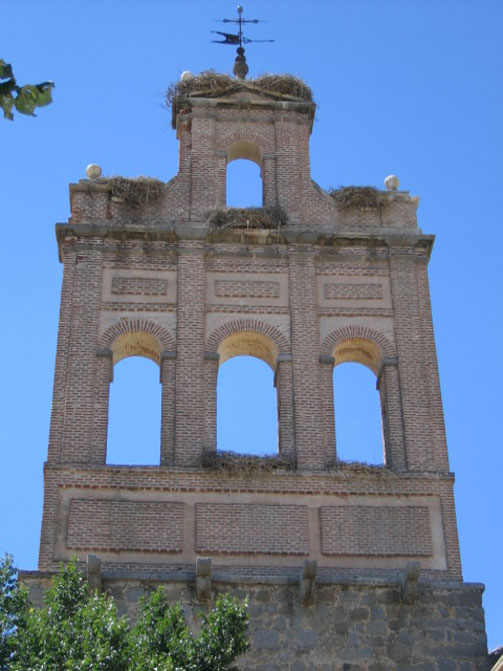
(310, 280)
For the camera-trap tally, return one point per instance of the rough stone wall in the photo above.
(352, 625)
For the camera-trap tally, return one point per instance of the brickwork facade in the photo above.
(332, 285)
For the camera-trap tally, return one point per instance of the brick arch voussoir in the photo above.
(245, 135)
(239, 325)
(125, 326)
(355, 331)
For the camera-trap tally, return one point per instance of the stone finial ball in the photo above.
(391, 183)
(93, 171)
(186, 74)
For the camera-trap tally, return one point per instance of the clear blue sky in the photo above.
(412, 88)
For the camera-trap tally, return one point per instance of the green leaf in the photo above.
(5, 70)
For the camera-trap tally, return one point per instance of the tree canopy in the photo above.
(80, 630)
(25, 98)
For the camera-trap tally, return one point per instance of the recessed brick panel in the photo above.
(376, 530)
(139, 526)
(139, 286)
(236, 528)
(352, 291)
(237, 289)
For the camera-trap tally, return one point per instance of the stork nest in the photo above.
(358, 197)
(134, 190)
(247, 217)
(356, 467)
(232, 463)
(210, 84)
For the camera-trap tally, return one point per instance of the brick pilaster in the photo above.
(411, 351)
(305, 355)
(78, 430)
(190, 401)
(168, 376)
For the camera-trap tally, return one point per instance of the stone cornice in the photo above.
(397, 243)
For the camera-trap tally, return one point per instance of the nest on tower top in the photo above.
(358, 197)
(210, 84)
(247, 465)
(247, 217)
(134, 190)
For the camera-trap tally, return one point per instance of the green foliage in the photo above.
(25, 98)
(75, 630)
(162, 640)
(81, 631)
(13, 611)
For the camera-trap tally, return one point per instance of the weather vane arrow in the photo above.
(240, 67)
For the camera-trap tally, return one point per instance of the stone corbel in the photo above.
(409, 582)
(307, 581)
(203, 578)
(94, 573)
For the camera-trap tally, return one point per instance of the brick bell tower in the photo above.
(323, 279)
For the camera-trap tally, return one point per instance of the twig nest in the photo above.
(93, 171)
(391, 183)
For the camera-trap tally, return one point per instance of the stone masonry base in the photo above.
(352, 624)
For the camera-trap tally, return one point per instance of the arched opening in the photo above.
(357, 408)
(244, 187)
(358, 426)
(134, 408)
(247, 415)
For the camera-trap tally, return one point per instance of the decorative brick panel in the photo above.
(230, 289)
(251, 528)
(125, 525)
(352, 291)
(139, 286)
(376, 530)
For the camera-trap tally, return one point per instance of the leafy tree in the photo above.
(22, 98)
(81, 631)
(13, 610)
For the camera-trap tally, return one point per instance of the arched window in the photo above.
(358, 426)
(247, 420)
(134, 415)
(358, 416)
(244, 187)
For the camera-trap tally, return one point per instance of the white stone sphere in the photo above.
(186, 74)
(93, 171)
(391, 183)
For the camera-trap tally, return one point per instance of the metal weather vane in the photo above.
(240, 67)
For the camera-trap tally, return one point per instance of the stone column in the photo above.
(284, 389)
(167, 375)
(189, 395)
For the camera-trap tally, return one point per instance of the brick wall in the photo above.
(332, 285)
